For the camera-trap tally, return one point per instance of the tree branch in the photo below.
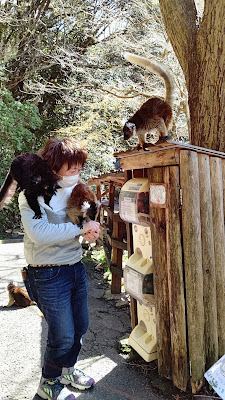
(52, 88)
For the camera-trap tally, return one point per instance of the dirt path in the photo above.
(23, 336)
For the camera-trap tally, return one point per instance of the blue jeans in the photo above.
(61, 294)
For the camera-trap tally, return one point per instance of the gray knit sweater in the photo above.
(51, 239)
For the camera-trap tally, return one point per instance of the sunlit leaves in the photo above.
(17, 122)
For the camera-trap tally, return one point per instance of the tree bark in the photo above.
(200, 49)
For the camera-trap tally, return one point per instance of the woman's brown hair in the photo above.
(58, 152)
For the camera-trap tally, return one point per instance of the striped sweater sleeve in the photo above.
(40, 230)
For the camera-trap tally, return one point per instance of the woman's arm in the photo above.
(40, 230)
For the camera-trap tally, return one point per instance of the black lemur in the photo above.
(34, 176)
(155, 113)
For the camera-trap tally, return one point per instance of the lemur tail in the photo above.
(7, 190)
(157, 68)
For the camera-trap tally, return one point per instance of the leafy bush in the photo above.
(18, 121)
(10, 221)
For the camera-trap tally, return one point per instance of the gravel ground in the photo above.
(23, 336)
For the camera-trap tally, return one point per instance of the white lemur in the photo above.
(155, 113)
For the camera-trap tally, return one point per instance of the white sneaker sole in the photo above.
(74, 384)
(77, 386)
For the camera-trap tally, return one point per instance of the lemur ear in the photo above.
(84, 208)
(132, 127)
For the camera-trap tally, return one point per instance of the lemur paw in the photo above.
(37, 216)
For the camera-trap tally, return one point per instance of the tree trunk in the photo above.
(200, 49)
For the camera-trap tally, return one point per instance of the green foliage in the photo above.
(96, 255)
(18, 121)
(10, 221)
(16, 131)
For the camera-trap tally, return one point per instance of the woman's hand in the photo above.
(91, 231)
(91, 236)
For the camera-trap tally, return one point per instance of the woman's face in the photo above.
(65, 171)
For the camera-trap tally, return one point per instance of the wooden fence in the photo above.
(114, 238)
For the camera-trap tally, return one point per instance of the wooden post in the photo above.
(191, 230)
(208, 262)
(117, 254)
(109, 215)
(176, 280)
(158, 234)
(219, 246)
(111, 195)
(102, 221)
(223, 170)
(98, 186)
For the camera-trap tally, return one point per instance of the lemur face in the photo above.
(129, 130)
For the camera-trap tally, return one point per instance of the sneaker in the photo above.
(54, 390)
(78, 379)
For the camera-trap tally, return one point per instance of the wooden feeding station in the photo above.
(114, 240)
(188, 252)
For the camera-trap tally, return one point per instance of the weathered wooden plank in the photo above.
(191, 231)
(219, 246)
(117, 254)
(176, 281)
(223, 171)
(102, 221)
(119, 244)
(161, 292)
(116, 177)
(111, 195)
(150, 159)
(169, 144)
(98, 187)
(109, 217)
(208, 262)
(133, 302)
(116, 243)
(113, 215)
(116, 271)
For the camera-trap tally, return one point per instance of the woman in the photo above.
(56, 276)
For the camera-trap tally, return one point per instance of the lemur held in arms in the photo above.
(82, 204)
(34, 176)
(155, 113)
